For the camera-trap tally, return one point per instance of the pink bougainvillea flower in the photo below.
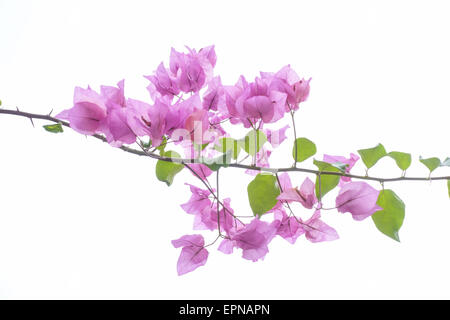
(198, 201)
(214, 95)
(114, 96)
(187, 72)
(209, 220)
(283, 81)
(290, 228)
(285, 184)
(317, 231)
(287, 81)
(207, 58)
(88, 113)
(228, 222)
(137, 116)
(276, 137)
(188, 69)
(249, 103)
(179, 113)
(285, 181)
(285, 75)
(301, 91)
(197, 125)
(206, 219)
(205, 211)
(163, 82)
(253, 239)
(259, 102)
(118, 130)
(306, 195)
(232, 93)
(106, 113)
(209, 54)
(148, 119)
(188, 121)
(259, 106)
(358, 198)
(349, 161)
(226, 246)
(193, 254)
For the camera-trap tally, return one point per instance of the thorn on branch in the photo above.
(31, 119)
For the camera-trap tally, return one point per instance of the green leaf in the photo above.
(253, 142)
(402, 159)
(166, 171)
(218, 162)
(227, 144)
(327, 182)
(305, 149)
(446, 163)
(162, 146)
(448, 186)
(372, 155)
(54, 128)
(390, 219)
(431, 163)
(341, 166)
(262, 193)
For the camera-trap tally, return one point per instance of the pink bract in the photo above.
(253, 239)
(305, 195)
(358, 198)
(193, 254)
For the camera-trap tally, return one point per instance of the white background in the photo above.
(80, 219)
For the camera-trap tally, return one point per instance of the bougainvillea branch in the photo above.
(193, 112)
(231, 165)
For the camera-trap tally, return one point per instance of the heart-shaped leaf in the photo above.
(390, 219)
(371, 156)
(402, 159)
(431, 163)
(305, 149)
(165, 170)
(253, 142)
(262, 193)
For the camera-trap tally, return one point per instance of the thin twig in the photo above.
(218, 211)
(295, 135)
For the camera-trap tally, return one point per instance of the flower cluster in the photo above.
(189, 106)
